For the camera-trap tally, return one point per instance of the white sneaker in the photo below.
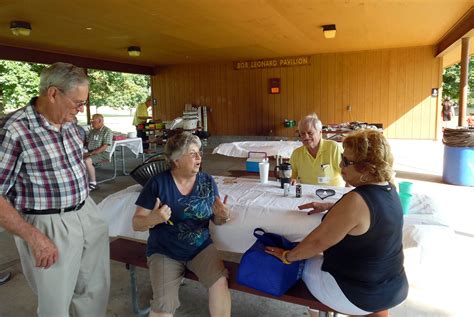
(4, 277)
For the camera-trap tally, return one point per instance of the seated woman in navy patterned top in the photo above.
(176, 206)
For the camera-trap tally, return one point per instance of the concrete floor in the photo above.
(418, 161)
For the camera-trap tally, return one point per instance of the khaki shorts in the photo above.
(166, 275)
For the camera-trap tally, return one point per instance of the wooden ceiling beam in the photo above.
(460, 29)
(37, 56)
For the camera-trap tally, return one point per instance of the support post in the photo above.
(464, 81)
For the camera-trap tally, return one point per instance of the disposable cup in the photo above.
(405, 200)
(263, 169)
(405, 187)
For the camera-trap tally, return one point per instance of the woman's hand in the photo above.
(276, 252)
(221, 211)
(316, 207)
(159, 214)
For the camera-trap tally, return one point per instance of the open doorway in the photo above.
(113, 94)
(451, 82)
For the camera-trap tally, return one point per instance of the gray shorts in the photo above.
(166, 275)
(100, 158)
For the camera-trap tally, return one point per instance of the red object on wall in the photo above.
(274, 86)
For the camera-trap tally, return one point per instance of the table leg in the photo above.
(124, 172)
(135, 305)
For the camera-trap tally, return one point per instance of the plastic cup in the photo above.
(263, 169)
(405, 187)
(405, 200)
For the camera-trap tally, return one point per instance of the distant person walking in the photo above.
(447, 112)
(139, 120)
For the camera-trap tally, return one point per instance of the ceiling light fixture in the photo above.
(20, 28)
(329, 31)
(134, 51)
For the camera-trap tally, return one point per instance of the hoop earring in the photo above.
(363, 178)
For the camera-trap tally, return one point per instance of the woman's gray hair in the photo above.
(178, 145)
(64, 76)
(311, 120)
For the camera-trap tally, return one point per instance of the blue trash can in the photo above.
(458, 165)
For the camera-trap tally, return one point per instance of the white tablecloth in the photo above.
(272, 148)
(255, 205)
(251, 205)
(134, 144)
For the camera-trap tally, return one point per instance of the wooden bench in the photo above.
(133, 254)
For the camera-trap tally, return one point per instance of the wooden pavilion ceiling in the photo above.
(188, 31)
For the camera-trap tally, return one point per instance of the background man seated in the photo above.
(99, 143)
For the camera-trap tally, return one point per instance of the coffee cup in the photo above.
(263, 169)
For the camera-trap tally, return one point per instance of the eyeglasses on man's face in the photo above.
(304, 134)
(345, 162)
(81, 103)
(195, 154)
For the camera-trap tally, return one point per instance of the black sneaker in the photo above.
(93, 187)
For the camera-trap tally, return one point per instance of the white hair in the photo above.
(178, 145)
(64, 76)
(311, 120)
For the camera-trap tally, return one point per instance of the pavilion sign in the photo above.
(274, 62)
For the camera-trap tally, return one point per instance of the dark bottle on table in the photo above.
(298, 188)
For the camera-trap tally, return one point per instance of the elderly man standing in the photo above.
(99, 142)
(62, 242)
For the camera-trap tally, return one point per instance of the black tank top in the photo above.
(369, 268)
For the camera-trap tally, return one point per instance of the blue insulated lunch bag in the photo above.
(264, 272)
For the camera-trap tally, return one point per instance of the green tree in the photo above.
(19, 82)
(117, 90)
(451, 80)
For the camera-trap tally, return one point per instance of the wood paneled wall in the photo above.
(391, 86)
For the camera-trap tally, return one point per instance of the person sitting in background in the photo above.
(317, 161)
(99, 141)
(470, 120)
(139, 120)
(355, 256)
(176, 206)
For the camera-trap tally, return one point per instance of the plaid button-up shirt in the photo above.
(97, 138)
(41, 166)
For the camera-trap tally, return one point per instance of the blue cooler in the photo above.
(253, 158)
(458, 167)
